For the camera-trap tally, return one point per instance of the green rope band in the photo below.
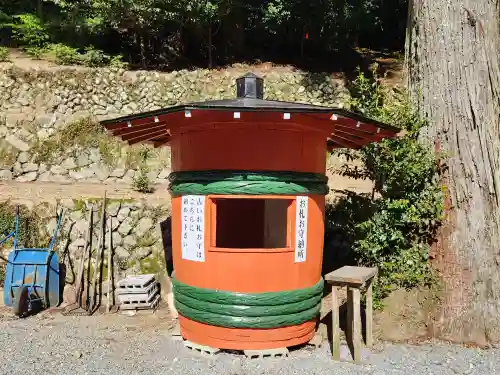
(247, 322)
(247, 183)
(247, 310)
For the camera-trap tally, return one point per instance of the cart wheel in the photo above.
(21, 301)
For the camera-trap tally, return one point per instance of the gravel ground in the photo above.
(53, 344)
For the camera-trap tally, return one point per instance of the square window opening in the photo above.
(252, 223)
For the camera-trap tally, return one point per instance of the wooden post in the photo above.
(80, 286)
(350, 318)
(100, 241)
(369, 315)
(356, 324)
(354, 278)
(110, 269)
(335, 324)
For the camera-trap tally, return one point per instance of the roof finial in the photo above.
(250, 86)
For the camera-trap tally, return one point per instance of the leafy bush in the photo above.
(401, 223)
(64, 55)
(94, 57)
(28, 30)
(77, 135)
(116, 62)
(35, 52)
(4, 54)
(29, 226)
(141, 182)
(30, 230)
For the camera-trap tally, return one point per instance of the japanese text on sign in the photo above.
(301, 229)
(193, 227)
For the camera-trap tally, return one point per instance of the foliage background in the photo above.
(393, 228)
(30, 230)
(167, 34)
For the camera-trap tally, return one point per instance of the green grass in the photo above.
(7, 158)
(84, 134)
(4, 54)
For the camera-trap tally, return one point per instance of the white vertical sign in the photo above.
(193, 227)
(301, 229)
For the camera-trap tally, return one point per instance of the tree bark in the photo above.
(453, 73)
(39, 10)
(210, 47)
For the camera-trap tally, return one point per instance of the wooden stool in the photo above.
(354, 278)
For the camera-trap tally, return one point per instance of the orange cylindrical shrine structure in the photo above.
(248, 197)
(251, 267)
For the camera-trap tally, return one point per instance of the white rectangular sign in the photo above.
(301, 229)
(193, 228)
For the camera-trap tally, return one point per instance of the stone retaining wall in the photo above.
(49, 132)
(135, 230)
(39, 109)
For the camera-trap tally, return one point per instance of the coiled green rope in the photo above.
(247, 322)
(247, 183)
(247, 310)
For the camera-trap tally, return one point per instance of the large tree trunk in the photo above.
(452, 52)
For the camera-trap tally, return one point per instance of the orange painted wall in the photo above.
(250, 147)
(252, 270)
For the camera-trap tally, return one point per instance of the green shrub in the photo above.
(141, 182)
(29, 226)
(116, 62)
(64, 55)
(30, 233)
(4, 54)
(29, 30)
(83, 133)
(394, 232)
(35, 52)
(94, 57)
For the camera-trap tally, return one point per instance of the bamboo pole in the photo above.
(98, 253)
(111, 289)
(81, 269)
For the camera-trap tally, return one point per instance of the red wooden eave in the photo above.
(347, 130)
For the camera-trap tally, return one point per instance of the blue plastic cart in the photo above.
(31, 275)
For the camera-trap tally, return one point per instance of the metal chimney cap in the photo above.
(250, 86)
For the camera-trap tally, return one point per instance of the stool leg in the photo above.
(335, 324)
(369, 316)
(356, 314)
(348, 332)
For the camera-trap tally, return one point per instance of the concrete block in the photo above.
(152, 303)
(145, 295)
(176, 333)
(203, 349)
(267, 353)
(136, 283)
